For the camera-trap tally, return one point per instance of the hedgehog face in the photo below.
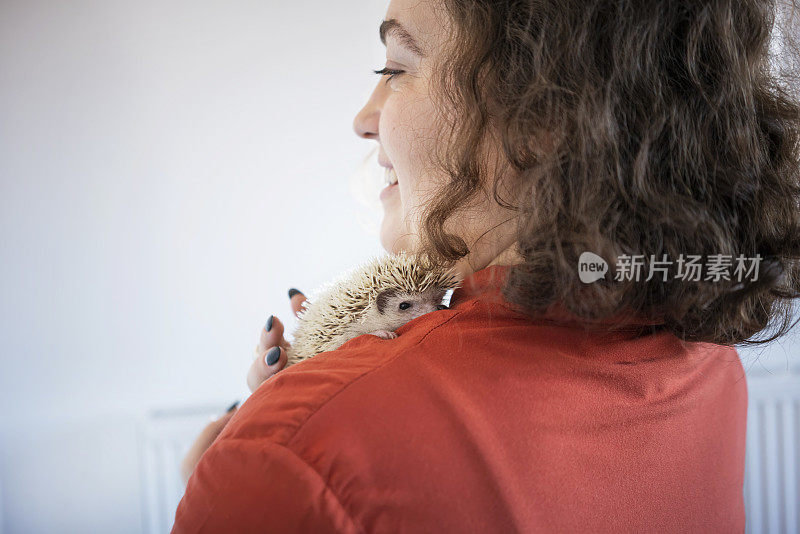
(399, 307)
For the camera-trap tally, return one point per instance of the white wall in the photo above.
(168, 169)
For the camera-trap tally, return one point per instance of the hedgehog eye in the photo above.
(405, 305)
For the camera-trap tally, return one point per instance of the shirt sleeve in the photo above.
(246, 485)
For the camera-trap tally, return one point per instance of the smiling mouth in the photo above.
(390, 176)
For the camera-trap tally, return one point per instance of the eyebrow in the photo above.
(392, 26)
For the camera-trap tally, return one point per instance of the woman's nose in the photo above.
(366, 121)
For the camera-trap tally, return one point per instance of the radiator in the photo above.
(772, 467)
(164, 438)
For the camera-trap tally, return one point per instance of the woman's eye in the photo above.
(391, 72)
(404, 305)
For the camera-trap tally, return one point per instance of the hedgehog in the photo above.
(374, 298)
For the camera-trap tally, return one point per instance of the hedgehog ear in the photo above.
(383, 299)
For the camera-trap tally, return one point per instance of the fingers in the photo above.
(271, 355)
(265, 365)
(271, 335)
(203, 442)
(296, 299)
(270, 338)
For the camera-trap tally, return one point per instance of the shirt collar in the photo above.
(487, 284)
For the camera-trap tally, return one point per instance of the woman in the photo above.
(576, 160)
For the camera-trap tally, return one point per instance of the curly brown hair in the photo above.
(645, 127)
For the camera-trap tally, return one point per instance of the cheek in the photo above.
(408, 137)
(406, 132)
(394, 132)
(409, 142)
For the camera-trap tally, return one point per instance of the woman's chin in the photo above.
(393, 239)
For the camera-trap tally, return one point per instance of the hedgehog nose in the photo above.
(442, 307)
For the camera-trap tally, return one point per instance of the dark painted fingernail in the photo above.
(273, 356)
(293, 292)
(232, 407)
(268, 326)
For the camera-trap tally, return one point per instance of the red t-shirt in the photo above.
(478, 419)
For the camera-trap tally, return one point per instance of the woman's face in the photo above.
(400, 116)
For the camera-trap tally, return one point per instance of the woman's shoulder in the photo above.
(475, 343)
(282, 405)
(379, 410)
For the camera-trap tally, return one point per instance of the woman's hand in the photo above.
(270, 353)
(260, 371)
(204, 441)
